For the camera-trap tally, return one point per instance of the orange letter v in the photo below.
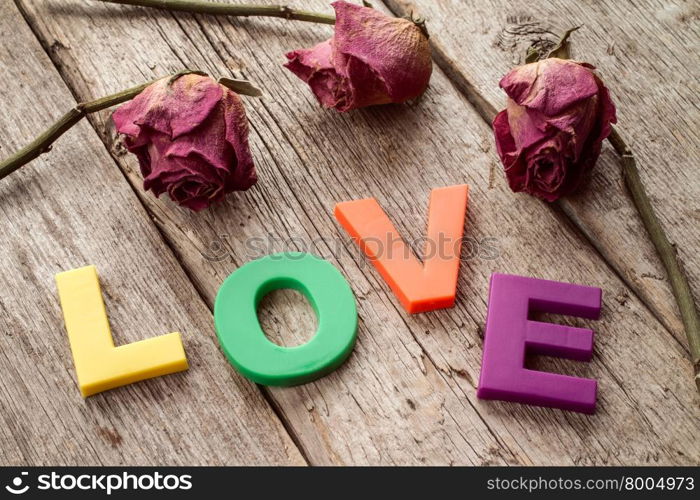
(419, 287)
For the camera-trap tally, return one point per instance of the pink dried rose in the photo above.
(190, 135)
(371, 59)
(550, 134)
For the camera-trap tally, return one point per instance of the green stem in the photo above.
(224, 9)
(42, 144)
(667, 252)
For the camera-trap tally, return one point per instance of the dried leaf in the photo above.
(561, 50)
(533, 55)
(243, 87)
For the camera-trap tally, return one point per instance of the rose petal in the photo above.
(243, 174)
(315, 67)
(550, 85)
(172, 109)
(395, 49)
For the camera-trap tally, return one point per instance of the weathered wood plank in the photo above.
(407, 395)
(70, 208)
(645, 53)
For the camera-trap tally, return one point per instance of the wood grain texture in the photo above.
(407, 394)
(646, 52)
(71, 208)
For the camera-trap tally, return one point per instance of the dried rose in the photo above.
(190, 135)
(371, 59)
(550, 134)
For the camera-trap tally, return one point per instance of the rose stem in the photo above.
(667, 251)
(42, 144)
(223, 9)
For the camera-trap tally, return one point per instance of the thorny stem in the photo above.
(42, 144)
(666, 250)
(225, 9)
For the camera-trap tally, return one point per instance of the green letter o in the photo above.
(245, 343)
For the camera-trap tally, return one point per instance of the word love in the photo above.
(419, 287)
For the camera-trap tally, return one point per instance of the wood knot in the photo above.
(522, 32)
(112, 436)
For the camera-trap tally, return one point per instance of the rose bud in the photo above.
(550, 134)
(371, 59)
(190, 135)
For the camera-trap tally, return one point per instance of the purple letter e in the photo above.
(510, 334)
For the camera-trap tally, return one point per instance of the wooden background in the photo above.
(407, 394)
